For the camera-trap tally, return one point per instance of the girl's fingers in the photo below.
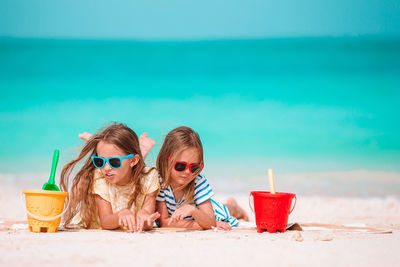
(140, 223)
(177, 216)
(153, 217)
(130, 225)
(150, 220)
(124, 222)
(223, 226)
(172, 219)
(133, 222)
(228, 227)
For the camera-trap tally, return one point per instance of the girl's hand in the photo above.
(181, 213)
(85, 136)
(127, 218)
(143, 217)
(223, 226)
(146, 144)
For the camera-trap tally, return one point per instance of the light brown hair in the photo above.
(175, 142)
(81, 197)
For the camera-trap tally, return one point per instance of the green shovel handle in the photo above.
(54, 163)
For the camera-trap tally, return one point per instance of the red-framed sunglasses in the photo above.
(181, 166)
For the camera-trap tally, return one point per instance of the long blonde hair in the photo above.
(175, 142)
(81, 197)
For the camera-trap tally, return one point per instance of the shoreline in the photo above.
(353, 183)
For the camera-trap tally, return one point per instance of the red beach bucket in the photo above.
(272, 210)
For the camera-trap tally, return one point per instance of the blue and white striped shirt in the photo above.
(202, 193)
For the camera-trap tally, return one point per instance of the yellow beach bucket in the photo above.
(44, 209)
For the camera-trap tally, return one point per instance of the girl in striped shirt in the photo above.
(185, 199)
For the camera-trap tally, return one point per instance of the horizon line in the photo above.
(193, 40)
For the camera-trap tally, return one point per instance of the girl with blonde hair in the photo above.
(113, 188)
(185, 199)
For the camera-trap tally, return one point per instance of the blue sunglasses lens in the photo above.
(114, 162)
(98, 162)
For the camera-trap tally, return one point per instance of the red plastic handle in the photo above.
(250, 202)
(295, 200)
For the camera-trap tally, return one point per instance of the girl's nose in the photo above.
(107, 167)
(187, 172)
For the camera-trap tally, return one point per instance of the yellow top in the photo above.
(119, 196)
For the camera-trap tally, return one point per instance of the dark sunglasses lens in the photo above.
(180, 166)
(98, 162)
(115, 162)
(195, 168)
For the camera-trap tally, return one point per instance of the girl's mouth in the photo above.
(109, 175)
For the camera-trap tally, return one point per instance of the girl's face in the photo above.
(179, 178)
(122, 175)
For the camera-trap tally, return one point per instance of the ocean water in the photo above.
(307, 107)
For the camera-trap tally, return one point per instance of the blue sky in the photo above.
(206, 19)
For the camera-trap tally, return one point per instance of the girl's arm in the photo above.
(161, 207)
(146, 216)
(203, 215)
(110, 220)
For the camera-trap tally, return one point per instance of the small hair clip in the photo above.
(169, 157)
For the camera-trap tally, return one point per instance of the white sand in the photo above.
(19, 247)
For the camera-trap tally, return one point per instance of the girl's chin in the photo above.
(109, 177)
(183, 181)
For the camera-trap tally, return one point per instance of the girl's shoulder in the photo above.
(100, 185)
(99, 179)
(200, 183)
(200, 178)
(150, 179)
(202, 190)
(150, 171)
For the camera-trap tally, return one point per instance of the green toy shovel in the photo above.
(50, 185)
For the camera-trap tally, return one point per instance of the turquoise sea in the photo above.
(302, 106)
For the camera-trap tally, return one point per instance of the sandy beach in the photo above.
(314, 246)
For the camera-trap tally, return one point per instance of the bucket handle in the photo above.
(45, 219)
(295, 201)
(252, 209)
